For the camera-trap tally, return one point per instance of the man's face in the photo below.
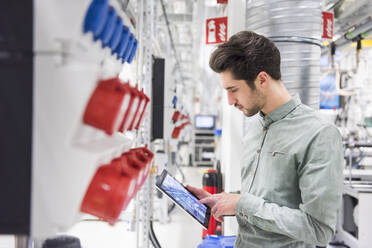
(241, 95)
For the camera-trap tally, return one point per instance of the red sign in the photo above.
(327, 25)
(216, 30)
(221, 1)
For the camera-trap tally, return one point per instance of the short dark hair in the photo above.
(245, 55)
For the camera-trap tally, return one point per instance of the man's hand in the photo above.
(199, 193)
(220, 204)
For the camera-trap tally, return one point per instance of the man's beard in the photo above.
(259, 100)
(251, 111)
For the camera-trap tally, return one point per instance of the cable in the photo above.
(152, 236)
(173, 205)
(171, 208)
(178, 65)
(178, 167)
(342, 244)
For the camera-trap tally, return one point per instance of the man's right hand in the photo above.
(199, 193)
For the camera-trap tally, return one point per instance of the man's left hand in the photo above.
(222, 204)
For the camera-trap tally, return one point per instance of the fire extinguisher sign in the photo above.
(216, 30)
(327, 25)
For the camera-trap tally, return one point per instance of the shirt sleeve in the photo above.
(320, 182)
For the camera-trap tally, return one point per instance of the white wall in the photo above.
(65, 152)
(232, 122)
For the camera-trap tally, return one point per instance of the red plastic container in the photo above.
(176, 132)
(132, 106)
(106, 108)
(140, 165)
(138, 110)
(176, 115)
(131, 164)
(108, 193)
(147, 100)
(144, 155)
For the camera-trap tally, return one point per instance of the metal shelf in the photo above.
(203, 142)
(204, 146)
(200, 163)
(204, 138)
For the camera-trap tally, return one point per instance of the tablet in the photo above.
(167, 184)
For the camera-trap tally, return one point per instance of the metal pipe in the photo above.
(364, 29)
(178, 65)
(294, 28)
(352, 8)
(296, 39)
(350, 164)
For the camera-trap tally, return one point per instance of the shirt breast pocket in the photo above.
(279, 170)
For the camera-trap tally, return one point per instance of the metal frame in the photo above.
(145, 29)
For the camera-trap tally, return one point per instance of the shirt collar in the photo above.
(281, 112)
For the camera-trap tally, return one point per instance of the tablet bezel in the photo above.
(158, 184)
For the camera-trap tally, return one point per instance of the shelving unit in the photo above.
(204, 147)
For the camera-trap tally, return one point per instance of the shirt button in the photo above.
(258, 150)
(265, 129)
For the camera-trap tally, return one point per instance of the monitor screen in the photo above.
(205, 121)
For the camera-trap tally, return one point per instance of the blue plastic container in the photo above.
(128, 49)
(96, 17)
(123, 43)
(116, 36)
(133, 52)
(218, 242)
(108, 29)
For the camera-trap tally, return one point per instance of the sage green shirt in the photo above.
(291, 179)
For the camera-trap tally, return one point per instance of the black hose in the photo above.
(171, 208)
(341, 244)
(152, 236)
(178, 167)
(183, 178)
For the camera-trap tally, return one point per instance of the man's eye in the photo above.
(233, 90)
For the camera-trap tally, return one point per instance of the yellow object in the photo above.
(154, 170)
(365, 43)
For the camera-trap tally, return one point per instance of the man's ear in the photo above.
(262, 80)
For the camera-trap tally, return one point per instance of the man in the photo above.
(292, 163)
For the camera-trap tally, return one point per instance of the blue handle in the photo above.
(96, 16)
(174, 100)
(109, 28)
(128, 49)
(133, 52)
(116, 36)
(123, 43)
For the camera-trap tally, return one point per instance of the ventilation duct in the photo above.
(295, 28)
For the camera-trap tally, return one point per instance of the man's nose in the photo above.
(231, 100)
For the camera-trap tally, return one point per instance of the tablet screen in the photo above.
(183, 197)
